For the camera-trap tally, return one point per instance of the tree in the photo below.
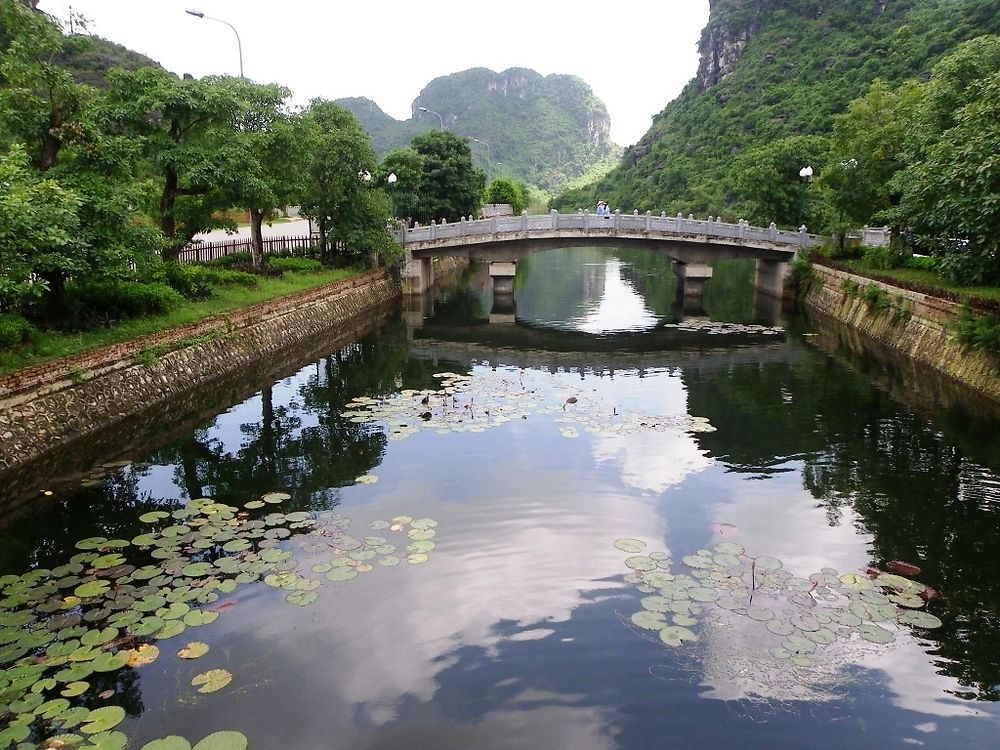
(339, 196)
(39, 227)
(506, 190)
(767, 182)
(868, 149)
(189, 130)
(949, 194)
(451, 187)
(408, 167)
(40, 103)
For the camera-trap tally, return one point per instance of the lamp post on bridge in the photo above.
(239, 44)
(431, 111)
(489, 158)
(804, 174)
(391, 179)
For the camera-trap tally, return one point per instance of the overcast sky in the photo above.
(636, 55)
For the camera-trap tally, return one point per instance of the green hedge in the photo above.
(294, 264)
(14, 330)
(117, 300)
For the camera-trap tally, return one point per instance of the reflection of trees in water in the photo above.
(309, 462)
(927, 495)
(46, 539)
(557, 285)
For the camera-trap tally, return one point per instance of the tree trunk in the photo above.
(257, 237)
(168, 224)
(51, 144)
(55, 298)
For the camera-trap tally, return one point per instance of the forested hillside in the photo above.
(544, 130)
(771, 70)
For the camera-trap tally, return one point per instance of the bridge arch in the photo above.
(691, 243)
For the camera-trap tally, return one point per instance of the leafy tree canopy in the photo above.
(451, 187)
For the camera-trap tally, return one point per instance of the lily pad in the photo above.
(212, 680)
(194, 650)
(640, 562)
(301, 598)
(276, 497)
(919, 619)
(140, 657)
(631, 546)
(103, 719)
(676, 635)
(173, 742)
(649, 620)
(875, 634)
(227, 740)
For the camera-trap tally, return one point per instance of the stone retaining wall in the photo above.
(913, 324)
(77, 396)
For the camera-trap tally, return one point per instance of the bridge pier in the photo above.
(691, 290)
(503, 274)
(415, 309)
(770, 275)
(418, 275)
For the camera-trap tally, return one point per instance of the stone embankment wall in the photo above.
(74, 397)
(914, 324)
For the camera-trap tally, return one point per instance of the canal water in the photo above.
(578, 517)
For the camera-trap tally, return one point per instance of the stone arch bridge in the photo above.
(690, 243)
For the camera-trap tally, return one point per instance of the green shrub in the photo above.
(228, 277)
(106, 301)
(294, 264)
(884, 258)
(242, 259)
(14, 330)
(190, 281)
(980, 332)
(876, 298)
(921, 263)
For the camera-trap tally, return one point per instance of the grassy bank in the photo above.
(49, 345)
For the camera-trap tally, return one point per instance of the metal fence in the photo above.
(305, 246)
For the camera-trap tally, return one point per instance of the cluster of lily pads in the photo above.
(715, 328)
(68, 634)
(797, 617)
(475, 403)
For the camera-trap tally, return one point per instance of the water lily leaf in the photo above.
(798, 644)
(649, 620)
(14, 733)
(227, 740)
(675, 635)
(108, 662)
(91, 589)
(801, 661)
(703, 594)
(74, 689)
(875, 634)
(417, 558)
(194, 650)
(366, 479)
(276, 497)
(301, 598)
(823, 636)
(919, 619)
(103, 719)
(805, 622)
(107, 741)
(424, 523)
(52, 708)
(631, 546)
(761, 614)
(341, 574)
(99, 637)
(153, 516)
(170, 629)
(640, 562)
(911, 601)
(91, 542)
(697, 561)
(200, 617)
(212, 680)
(656, 603)
(173, 742)
(389, 561)
(254, 504)
(140, 657)
(767, 563)
(729, 548)
(420, 546)
(421, 535)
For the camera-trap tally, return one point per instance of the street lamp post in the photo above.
(804, 174)
(239, 44)
(431, 111)
(391, 179)
(489, 157)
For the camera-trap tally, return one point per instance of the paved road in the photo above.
(293, 228)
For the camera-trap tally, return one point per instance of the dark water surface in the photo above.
(575, 432)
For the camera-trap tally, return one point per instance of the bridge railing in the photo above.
(647, 223)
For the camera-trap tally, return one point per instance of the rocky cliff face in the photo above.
(731, 25)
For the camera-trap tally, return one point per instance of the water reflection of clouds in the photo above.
(530, 553)
(620, 308)
(781, 519)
